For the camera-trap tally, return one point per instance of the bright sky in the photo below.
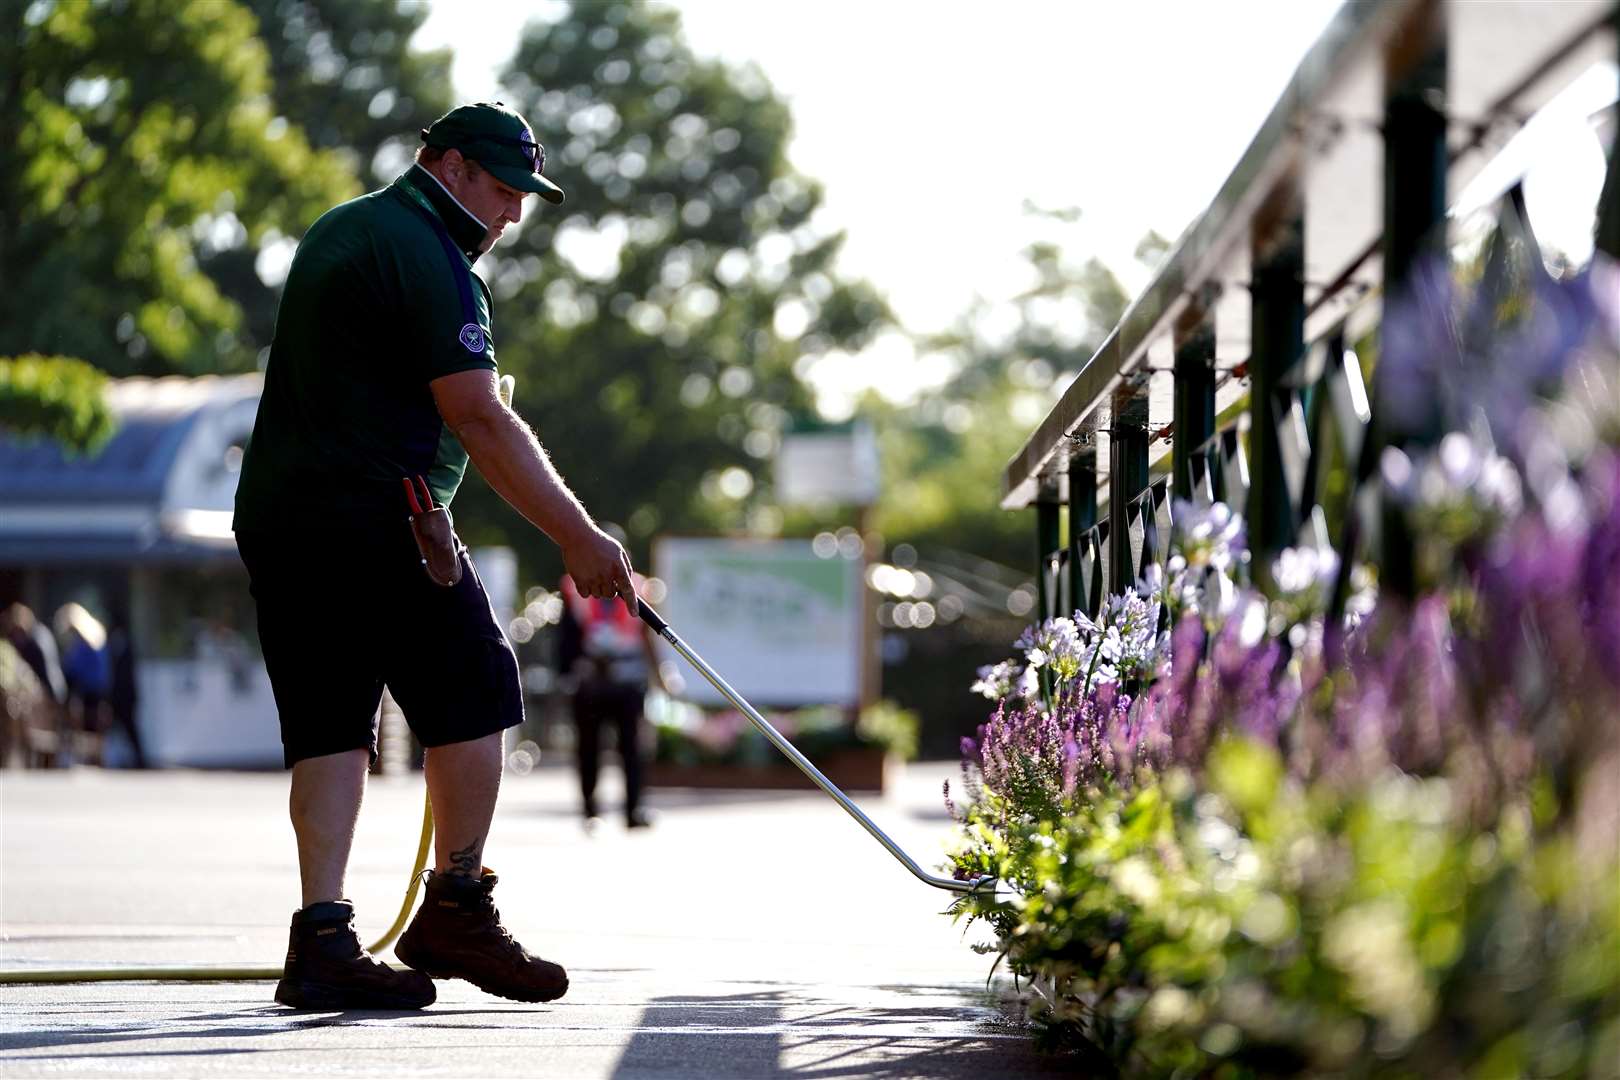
(930, 124)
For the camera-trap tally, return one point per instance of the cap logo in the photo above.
(472, 338)
(533, 152)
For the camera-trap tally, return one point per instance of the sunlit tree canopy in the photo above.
(143, 137)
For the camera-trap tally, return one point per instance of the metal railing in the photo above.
(1261, 304)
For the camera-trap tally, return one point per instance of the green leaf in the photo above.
(55, 397)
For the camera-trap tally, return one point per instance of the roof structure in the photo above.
(160, 490)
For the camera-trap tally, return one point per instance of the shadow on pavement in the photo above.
(747, 1048)
(747, 1035)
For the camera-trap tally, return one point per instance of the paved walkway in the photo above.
(747, 935)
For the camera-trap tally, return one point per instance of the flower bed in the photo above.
(1249, 837)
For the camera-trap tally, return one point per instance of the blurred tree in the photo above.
(55, 397)
(140, 137)
(657, 320)
(944, 455)
(343, 72)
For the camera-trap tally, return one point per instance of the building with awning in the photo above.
(141, 530)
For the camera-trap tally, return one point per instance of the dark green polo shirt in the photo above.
(381, 300)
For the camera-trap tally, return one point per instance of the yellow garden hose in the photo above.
(229, 974)
(416, 881)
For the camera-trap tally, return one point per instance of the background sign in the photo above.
(829, 464)
(780, 623)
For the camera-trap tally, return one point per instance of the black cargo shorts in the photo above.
(343, 614)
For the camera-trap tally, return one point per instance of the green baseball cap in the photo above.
(498, 139)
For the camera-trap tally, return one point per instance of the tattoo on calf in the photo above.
(469, 861)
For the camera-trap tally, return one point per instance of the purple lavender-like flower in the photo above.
(1600, 578)
(1449, 355)
(1419, 352)
(1514, 363)
(1036, 759)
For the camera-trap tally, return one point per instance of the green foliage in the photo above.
(344, 71)
(887, 725)
(143, 137)
(943, 452)
(941, 455)
(55, 397)
(1268, 926)
(654, 320)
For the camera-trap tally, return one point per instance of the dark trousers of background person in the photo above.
(121, 716)
(597, 704)
(121, 695)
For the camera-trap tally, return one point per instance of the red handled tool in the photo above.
(417, 506)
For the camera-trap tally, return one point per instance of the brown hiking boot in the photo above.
(457, 934)
(327, 969)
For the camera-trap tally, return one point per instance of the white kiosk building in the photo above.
(142, 530)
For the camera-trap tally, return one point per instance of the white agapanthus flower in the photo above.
(1207, 546)
(1054, 645)
(996, 681)
(1129, 643)
(1304, 576)
(1458, 490)
(1363, 596)
(1208, 535)
(1028, 685)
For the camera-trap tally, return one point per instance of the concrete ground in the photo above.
(746, 935)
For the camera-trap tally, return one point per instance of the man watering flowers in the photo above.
(381, 385)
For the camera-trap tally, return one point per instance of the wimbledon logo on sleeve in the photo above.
(472, 337)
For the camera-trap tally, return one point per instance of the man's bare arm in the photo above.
(517, 467)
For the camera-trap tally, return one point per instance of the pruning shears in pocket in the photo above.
(435, 534)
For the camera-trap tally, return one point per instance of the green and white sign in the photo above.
(779, 622)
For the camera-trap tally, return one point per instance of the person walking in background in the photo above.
(605, 653)
(381, 385)
(83, 641)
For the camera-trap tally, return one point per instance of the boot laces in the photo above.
(508, 943)
(360, 952)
